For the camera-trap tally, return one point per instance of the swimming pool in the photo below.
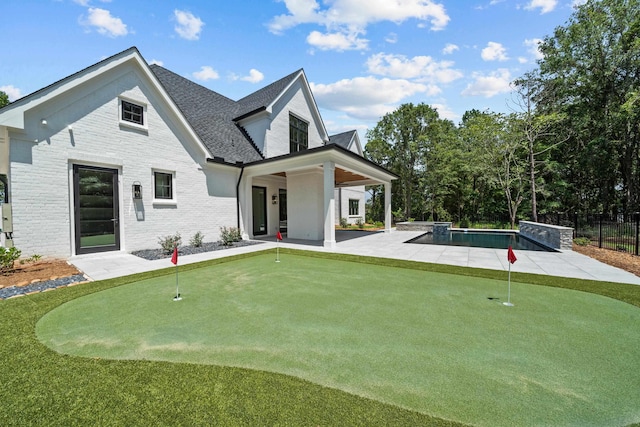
(493, 239)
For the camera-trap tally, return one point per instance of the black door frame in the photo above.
(76, 207)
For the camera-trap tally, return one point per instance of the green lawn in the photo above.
(391, 334)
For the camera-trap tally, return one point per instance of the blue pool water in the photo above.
(481, 239)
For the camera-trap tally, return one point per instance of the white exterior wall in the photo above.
(273, 185)
(42, 159)
(305, 205)
(342, 196)
(277, 136)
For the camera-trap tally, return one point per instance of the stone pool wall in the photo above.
(420, 225)
(553, 236)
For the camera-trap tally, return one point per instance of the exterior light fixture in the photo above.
(274, 199)
(43, 122)
(136, 190)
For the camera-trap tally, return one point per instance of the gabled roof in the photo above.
(346, 139)
(211, 116)
(266, 96)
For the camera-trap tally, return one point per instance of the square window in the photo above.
(163, 185)
(354, 207)
(132, 113)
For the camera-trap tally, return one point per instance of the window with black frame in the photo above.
(298, 134)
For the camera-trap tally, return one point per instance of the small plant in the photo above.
(360, 222)
(196, 240)
(344, 223)
(582, 241)
(7, 257)
(379, 224)
(32, 258)
(465, 223)
(169, 242)
(230, 235)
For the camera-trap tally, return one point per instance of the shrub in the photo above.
(196, 240)
(582, 241)
(230, 235)
(169, 242)
(7, 258)
(379, 224)
(360, 222)
(344, 223)
(465, 223)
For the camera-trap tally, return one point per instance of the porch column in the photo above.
(329, 205)
(246, 208)
(387, 207)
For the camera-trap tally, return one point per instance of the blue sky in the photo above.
(363, 58)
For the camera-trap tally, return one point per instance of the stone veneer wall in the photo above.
(553, 236)
(427, 226)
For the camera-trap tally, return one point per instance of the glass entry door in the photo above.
(97, 223)
(259, 202)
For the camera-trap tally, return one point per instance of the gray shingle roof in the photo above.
(265, 96)
(342, 139)
(211, 117)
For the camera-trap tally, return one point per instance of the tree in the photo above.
(4, 99)
(410, 131)
(539, 132)
(379, 152)
(589, 74)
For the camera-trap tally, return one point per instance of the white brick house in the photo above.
(120, 153)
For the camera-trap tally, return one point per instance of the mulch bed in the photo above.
(153, 254)
(622, 260)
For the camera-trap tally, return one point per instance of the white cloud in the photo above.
(12, 92)
(577, 3)
(534, 48)
(345, 20)
(206, 73)
(450, 48)
(188, 26)
(104, 23)
(545, 6)
(494, 83)
(391, 38)
(254, 76)
(422, 68)
(494, 52)
(366, 98)
(336, 41)
(156, 62)
(444, 112)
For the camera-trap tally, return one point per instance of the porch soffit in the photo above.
(342, 177)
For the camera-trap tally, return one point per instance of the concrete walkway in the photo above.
(380, 244)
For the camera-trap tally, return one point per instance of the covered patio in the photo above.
(309, 179)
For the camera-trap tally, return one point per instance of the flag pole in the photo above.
(508, 303)
(174, 259)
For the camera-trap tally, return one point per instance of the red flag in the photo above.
(174, 257)
(511, 256)
(278, 235)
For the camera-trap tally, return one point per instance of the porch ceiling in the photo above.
(343, 177)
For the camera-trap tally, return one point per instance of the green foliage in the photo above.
(582, 241)
(359, 222)
(230, 235)
(32, 258)
(379, 224)
(4, 99)
(465, 223)
(168, 243)
(196, 240)
(7, 257)
(344, 223)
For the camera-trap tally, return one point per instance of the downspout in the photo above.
(238, 195)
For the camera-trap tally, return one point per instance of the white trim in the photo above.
(173, 201)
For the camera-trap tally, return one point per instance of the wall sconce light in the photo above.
(274, 199)
(136, 190)
(43, 122)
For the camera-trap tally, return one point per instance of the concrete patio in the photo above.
(387, 245)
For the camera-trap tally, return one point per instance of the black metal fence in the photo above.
(620, 232)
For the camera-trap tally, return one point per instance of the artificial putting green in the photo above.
(430, 342)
